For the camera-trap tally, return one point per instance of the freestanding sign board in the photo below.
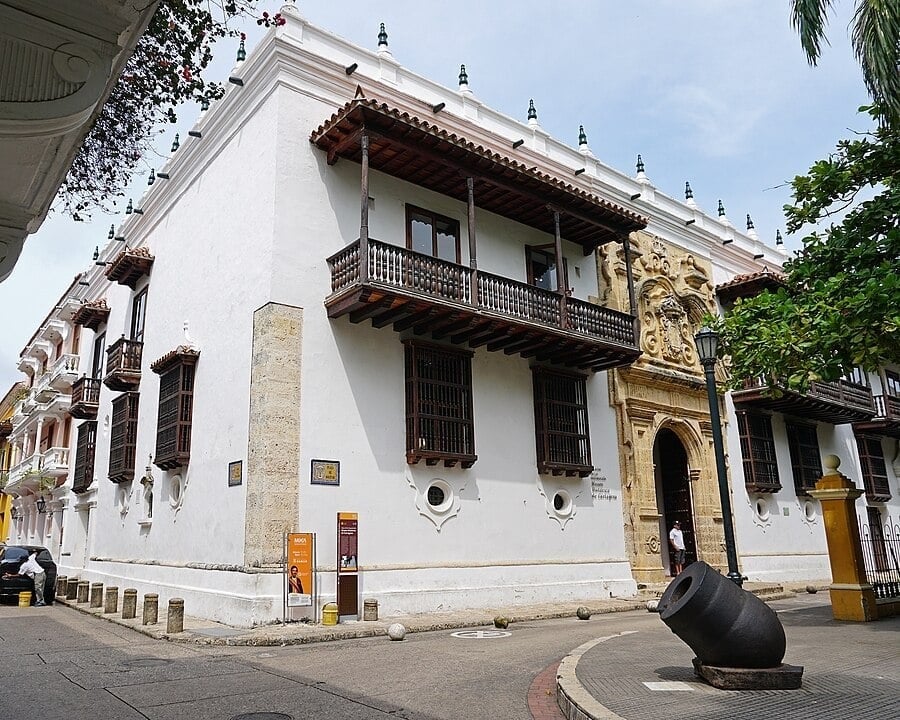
(299, 578)
(348, 567)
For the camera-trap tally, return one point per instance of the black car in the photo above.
(11, 583)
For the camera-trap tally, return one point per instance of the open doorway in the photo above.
(673, 496)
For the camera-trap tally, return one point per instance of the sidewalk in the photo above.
(851, 670)
(207, 632)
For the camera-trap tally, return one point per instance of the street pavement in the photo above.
(59, 662)
(851, 670)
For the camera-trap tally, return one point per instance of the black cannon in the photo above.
(725, 625)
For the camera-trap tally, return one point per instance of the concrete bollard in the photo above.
(370, 610)
(71, 588)
(151, 609)
(82, 594)
(129, 604)
(62, 586)
(96, 595)
(175, 617)
(111, 602)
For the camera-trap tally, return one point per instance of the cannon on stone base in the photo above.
(738, 639)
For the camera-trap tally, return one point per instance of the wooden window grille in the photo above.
(806, 462)
(439, 416)
(176, 407)
(874, 469)
(561, 423)
(84, 456)
(123, 437)
(758, 452)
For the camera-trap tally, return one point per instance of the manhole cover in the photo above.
(481, 634)
(145, 662)
(263, 716)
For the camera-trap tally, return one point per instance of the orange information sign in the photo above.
(348, 524)
(299, 569)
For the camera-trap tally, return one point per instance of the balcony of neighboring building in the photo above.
(123, 364)
(58, 378)
(85, 398)
(393, 281)
(887, 408)
(837, 402)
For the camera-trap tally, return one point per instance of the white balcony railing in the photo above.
(54, 462)
(22, 470)
(64, 372)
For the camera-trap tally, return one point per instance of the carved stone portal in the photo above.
(663, 390)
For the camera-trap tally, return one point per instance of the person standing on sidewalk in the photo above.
(676, 542)
(31, 568)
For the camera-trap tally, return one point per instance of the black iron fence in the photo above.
(881, 555)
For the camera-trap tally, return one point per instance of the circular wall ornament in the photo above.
(653, 544)
(176, 491)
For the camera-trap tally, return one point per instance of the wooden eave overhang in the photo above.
(130, 266)
(749, 285)
(182, 355)
(836, 403)
(423, 153)
(5, 428)
(92, 314)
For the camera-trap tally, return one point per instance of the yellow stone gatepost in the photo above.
(852, 597)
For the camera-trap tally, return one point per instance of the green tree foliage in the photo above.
(875, 33)
(165, 71)
(840, 305)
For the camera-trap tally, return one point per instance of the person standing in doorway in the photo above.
(676, 542)
(31, 568)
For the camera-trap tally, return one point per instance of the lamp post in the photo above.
(41, 505)
(707, 341)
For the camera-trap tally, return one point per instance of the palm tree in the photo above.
(876, 43)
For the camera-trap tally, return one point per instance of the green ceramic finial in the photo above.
(582, 137)
(532, 113)
(688, 193)
(749, 222)
(721, 209)
(382, 38)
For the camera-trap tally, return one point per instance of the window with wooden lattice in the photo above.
(439, 418)
(83, 475)
(123, 437)
(874, 469)
(561, 423)
(758, 452)
(176, 407)
(806, 462)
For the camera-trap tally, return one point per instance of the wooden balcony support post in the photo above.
(632, 300)
(364, 208)
(557, 246)
(473, 262)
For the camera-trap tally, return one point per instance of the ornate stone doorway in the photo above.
(673, 495)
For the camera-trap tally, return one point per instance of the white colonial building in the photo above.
(348, 266)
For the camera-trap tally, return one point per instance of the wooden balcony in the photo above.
(123, 365)
(886, 420)
(837, 402)
(85, 398)
(407, 289)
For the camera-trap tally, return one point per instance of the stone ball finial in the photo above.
(832, 463)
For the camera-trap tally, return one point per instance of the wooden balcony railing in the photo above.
(424, 284)
(85, 398)
(887, 407)
(836, 402)
(123, 364)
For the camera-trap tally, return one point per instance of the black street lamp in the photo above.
(41, 505)
(707, 341)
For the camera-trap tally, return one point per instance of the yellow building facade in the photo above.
(7, 407)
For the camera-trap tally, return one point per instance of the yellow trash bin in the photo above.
(24, 598)
(330, 614)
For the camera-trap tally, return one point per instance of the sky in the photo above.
(714, 92)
